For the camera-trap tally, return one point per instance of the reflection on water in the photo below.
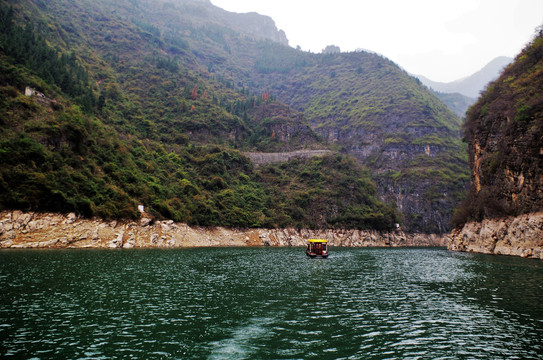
(269, 303)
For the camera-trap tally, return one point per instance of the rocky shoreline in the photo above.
(518, 236)
(50, 230)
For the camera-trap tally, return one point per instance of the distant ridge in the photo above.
(472, 85)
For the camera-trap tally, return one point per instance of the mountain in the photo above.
(155, 102)
(391, 123)
(472, 85)
(109, 113)
(504, 130)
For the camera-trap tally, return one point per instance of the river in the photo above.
(269, 303)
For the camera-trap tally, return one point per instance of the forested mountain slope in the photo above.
(115, 121)
(168, 93)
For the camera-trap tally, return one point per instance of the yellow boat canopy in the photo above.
(317, 240)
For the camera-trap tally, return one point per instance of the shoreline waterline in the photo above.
(53, 230)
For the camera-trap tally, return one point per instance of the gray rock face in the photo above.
(427, 204)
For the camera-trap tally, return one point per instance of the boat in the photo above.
(317, 247)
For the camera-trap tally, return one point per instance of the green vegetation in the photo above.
(68, 161)
(60, 70)
(457, 102)
(341, 196)
(157, 129)
(372, 109)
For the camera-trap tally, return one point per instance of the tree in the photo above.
(331, 49)
(194, 93)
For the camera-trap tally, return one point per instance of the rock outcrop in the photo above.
(48, 230)
(520, 236)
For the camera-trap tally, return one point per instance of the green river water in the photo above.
(269, 303)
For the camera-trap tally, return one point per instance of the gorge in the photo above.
(209, 119)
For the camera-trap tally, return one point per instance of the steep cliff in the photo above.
(504, 130)
(204, 13)
(279, 128)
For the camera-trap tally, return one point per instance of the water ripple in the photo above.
(268, 303)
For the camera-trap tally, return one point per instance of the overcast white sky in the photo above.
(443, 40)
